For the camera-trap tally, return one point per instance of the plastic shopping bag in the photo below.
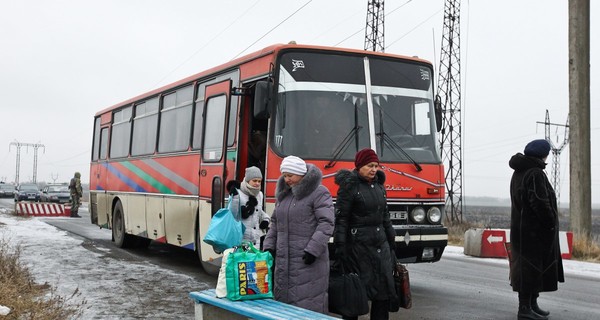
(225, 230)
(248, 273)
(221, 289)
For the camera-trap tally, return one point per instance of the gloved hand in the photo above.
(308, 258)
(263, 224)
(232, 187)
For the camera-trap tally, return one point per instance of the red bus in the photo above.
(161, 160)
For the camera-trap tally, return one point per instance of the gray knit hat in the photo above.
(252, 173)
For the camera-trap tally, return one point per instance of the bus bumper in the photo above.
(420, 243)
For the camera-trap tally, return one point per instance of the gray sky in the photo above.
(62, 61)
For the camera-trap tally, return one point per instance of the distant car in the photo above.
(27, 192)
(56, 193)
(7, 190)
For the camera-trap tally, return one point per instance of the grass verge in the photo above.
(27, 299)
(586, 249)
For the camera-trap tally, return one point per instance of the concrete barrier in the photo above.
(41, 209)
(489, 243)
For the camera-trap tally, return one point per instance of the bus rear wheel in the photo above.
(121, 238)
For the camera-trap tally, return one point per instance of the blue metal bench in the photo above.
(208, 306)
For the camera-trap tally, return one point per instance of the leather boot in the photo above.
(536, 309)
(526, 313)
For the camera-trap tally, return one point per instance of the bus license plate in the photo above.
(397, 215)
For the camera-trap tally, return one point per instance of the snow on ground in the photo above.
(571, 267)
(113, 288)
(132, 289)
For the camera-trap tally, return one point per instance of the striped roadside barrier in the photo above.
(489, 243)
(42, 209)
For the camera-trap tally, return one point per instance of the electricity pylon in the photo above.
(449, 91)
(35, 146)
(556, 150)
(374, 36)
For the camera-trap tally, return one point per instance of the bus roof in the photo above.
(272, 49)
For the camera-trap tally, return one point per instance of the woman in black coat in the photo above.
(363, 235)
(536, 264)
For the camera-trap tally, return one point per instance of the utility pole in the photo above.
(35, 146)
(556, 150)
(374, 36)
(580, 205)
(449, 91)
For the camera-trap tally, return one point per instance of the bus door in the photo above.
(213, 167)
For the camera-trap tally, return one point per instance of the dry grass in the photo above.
(25, 298)
(456, 231)
(586, 249)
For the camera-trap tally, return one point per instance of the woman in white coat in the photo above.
(248, 200)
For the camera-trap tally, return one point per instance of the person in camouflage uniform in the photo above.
(76, 193)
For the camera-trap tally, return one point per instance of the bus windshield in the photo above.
(326, 104)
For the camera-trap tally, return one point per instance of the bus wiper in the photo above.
(395, 146)
(341, 148)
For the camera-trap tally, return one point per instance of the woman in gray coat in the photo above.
(301, 226)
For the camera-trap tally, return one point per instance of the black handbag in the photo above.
(403, 297)
(347, 294)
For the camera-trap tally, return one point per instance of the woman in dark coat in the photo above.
(364, 236)
(536, 264)
(301, 226)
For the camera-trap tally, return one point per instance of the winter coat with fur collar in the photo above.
(302, 221)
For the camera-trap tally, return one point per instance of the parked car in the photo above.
(27, 192)
(7, 190)
(56, 193)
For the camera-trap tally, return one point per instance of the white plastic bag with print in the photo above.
(221, 290)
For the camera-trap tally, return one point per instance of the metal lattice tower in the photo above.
(556, 152)
(35, 146)
(449, 91)
(374, 36)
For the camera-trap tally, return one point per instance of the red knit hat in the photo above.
(365, 156)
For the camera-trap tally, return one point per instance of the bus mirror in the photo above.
(262, 100)
(437, 106)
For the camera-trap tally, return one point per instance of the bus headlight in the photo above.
(434, 215)
(418, 214)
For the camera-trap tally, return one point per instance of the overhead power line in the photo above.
(275, 27)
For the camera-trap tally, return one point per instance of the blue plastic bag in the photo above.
(225, 231)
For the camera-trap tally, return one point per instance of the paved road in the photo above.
(457, 287)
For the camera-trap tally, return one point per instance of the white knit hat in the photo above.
(252, 173)
(294, 165)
